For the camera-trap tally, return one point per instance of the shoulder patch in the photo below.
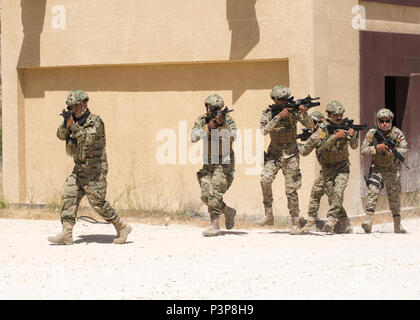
(266, 112)
(201, 118)
(370, 135)
(395, 134)
(93, 118)
(322, 134)
(399, 133)
(266, 115)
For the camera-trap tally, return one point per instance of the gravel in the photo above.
(177, 262)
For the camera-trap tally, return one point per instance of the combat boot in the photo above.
(268, 220)
(367, 224)
(398, 228)
(344, 226)
(296, 230)
(329, 225)
(213, 230)
(123, 229)
(65, 237)
(229, 217)
(310, 224)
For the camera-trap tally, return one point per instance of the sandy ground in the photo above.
(177, 262)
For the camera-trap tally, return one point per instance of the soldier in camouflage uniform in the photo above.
(333, 156)
(282, 154)
(216, 176)
(318, 188)
(84, 134)
(384, 170)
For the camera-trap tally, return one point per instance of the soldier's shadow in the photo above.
(236, 233)
(373, 232)
(278, 232)
(97, 238)
(317, 233)
(305, 233)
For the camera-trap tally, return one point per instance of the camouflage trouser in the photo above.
(317, 191)
(391, 179)
(292, 181)
(215, 180)
(95, 190)
(334, 188)
(319, 188)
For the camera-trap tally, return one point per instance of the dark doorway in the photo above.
(396, 91)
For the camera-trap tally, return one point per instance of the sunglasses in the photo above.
(384, 121)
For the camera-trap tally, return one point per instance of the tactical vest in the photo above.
(219, 153)
(382, 160)
(71, 147)
(88, 151)
(285, 133)
(338, 153)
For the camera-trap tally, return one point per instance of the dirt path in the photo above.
(177, 262)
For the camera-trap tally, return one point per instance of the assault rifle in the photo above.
(346, 124)
(214, 112)
(305, 135)
(294, 105)
(347, 121)
(380, 138)
(66, 114)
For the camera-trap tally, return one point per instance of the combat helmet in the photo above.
(335, 107)
(384, 113)
(76, 96)
(329, 108)
(317, 116)
(280, 93)
(214, 100)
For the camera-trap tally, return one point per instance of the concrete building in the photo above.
(148, 65)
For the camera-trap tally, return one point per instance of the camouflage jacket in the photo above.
(314, 142)
(282, 132)
(384, 159)
(85, 143)
(222, 137)
(334, 151)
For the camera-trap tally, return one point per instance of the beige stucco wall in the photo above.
(195, 48)
(148, 31)
(12, 106)
(148, 65)
(135, 109)
(336, 77)
(384, 17)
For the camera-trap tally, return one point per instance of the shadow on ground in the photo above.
(237, 233)
(97, 238)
